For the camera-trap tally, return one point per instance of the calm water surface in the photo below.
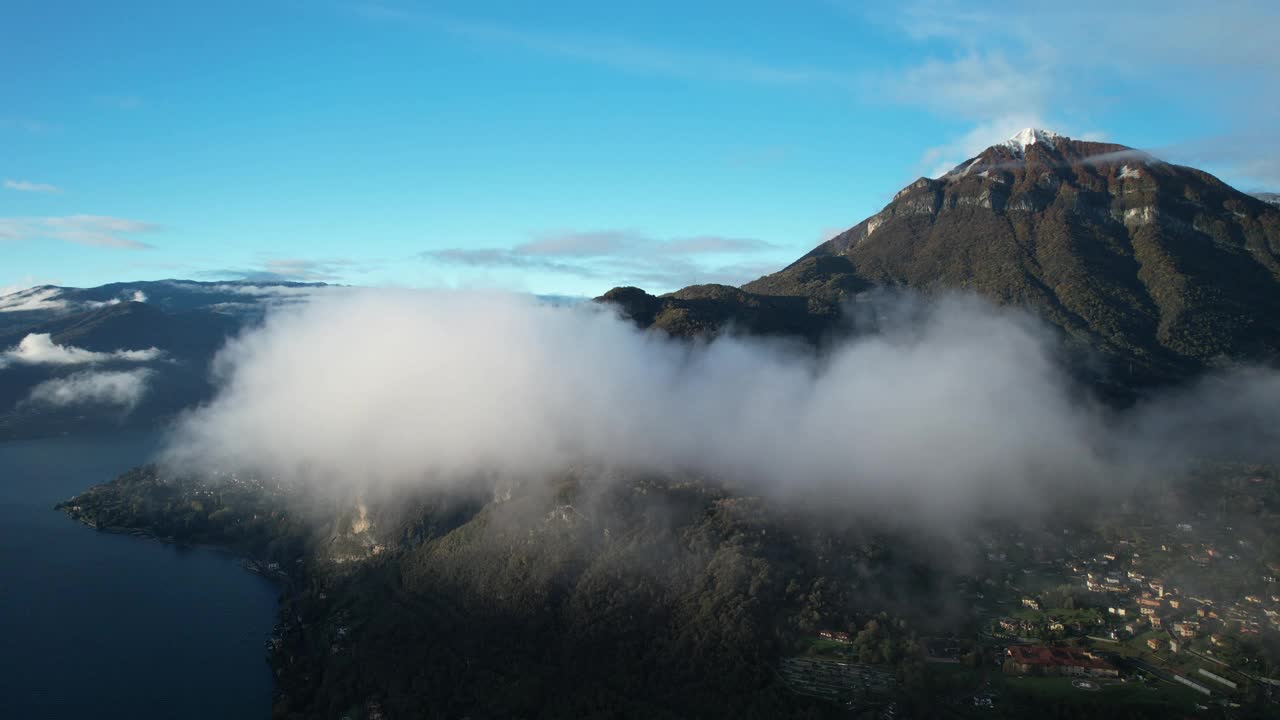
(95, 625)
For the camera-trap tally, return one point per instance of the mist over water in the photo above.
(952, 406)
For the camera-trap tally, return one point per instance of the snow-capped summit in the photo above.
(1031, 136)
(1051, 149)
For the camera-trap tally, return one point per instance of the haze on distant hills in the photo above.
(123, 354)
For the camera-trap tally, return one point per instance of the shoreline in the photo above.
(250, 564)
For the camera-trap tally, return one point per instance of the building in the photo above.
(1041, 660)
(1030, 602)
(841, 637)
(1153, 643)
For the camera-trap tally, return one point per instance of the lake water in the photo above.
(96, 625)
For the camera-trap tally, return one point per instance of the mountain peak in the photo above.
(1031, 136)
(1161, 269)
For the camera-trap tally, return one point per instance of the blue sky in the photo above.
(564, 147)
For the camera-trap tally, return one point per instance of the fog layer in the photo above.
(960, 406)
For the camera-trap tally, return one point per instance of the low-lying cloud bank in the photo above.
(40, 349)
(32, 300)
(44, 298)
(124, 389)
(136, 296)
(962, 406)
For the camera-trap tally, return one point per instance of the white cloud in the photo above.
(963, 409)
(1057, 63)
(94, 230)
(265, 290)
(997, 95)
(974, 86)
(30, 299)
(281, 270)
(28, 186)
(581, 244)
(624, 257)
(40, 349)
(121, 388)
(126, 296)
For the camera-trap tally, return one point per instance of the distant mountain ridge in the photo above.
(25, 307)
(185, 321)
(1159, 270)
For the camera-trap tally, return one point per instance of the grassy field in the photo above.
(821, 647)
(1086, 615)
(1060, 689)
(1181, 663)
(1136, 646)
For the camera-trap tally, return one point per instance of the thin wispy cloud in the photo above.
(93, 230)
(623, 257)
(581, 244)
(998, 94)
(263, 290)
(615, 52)
(121, 388)
(708, 244)
(974, 85)
(273, 269)
(28, 186)
(506, 258)
(616, 242)
(1028, 64)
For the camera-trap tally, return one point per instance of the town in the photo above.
(1149, 605)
